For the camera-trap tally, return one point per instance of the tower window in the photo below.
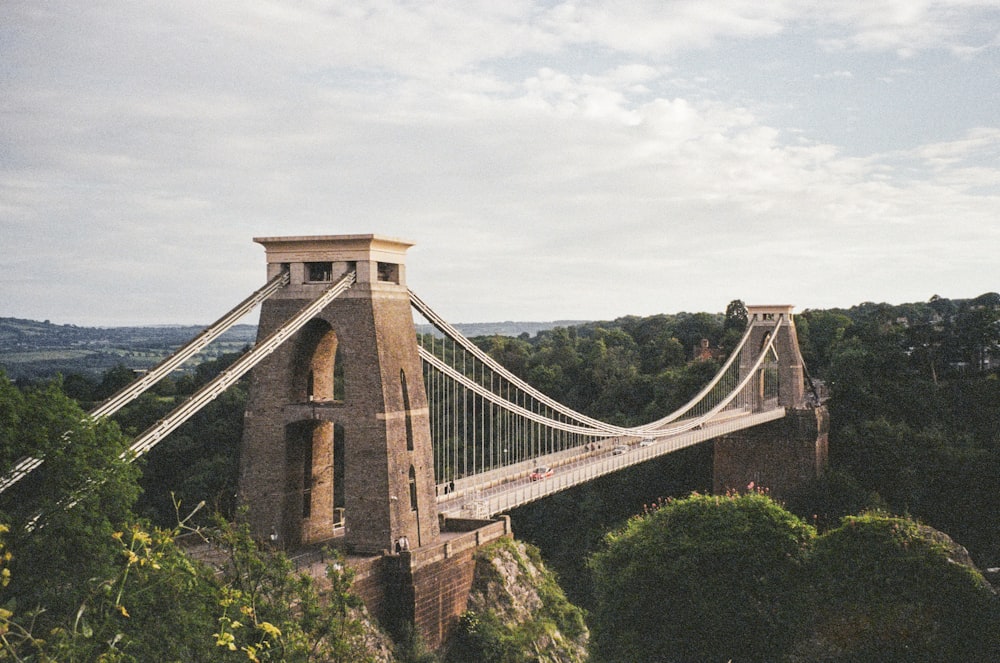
(388, 272)
(319, 271)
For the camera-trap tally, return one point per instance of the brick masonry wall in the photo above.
(440, 595)
(435, 581)
(428, 587)
(781, 456)
(376, 583)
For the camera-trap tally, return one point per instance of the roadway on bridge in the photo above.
(583, 464)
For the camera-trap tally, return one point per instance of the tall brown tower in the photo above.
(783, 455)
(337, 427)
(765, 320)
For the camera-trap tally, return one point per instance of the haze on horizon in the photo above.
(576, 160)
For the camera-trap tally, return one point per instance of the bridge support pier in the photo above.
(781, 457)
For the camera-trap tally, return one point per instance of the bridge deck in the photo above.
(487, 496)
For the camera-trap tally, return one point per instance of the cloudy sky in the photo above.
(551, 160)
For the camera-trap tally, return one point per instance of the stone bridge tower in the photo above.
(791, 378)
(787, 454)
(337, 431)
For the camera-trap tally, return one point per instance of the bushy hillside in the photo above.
(739, 578)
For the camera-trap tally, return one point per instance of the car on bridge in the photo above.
(619, 449)
(541, 472)
(648, 442)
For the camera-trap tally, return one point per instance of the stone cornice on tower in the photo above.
(333, 247)
(364, 253)
(770, 311)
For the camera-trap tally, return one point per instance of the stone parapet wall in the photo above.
(426, 587)
(436, 580)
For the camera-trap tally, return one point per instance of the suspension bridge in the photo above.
(490, 429)
(499, 443)
(358, 428)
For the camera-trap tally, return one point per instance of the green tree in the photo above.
(737, 319)
(113, 380)
(659, 349)
(700, 579)
(692, 327)
(834, 494)
(197, 462)
(273, 613)
(740, 578)
(978, 329)
(12, 446)
(511, 353)
(885, 588)
(62, 516)
(819, 334)
(157, 603)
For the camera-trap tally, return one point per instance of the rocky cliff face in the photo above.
(517, 611)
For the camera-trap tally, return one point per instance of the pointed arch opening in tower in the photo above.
(413, 489)
(307, 507)
(319, 374)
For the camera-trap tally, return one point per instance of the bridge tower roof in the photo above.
(765, 310)
(310, 248)
(376, 258)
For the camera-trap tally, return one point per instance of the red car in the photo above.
(541, 473)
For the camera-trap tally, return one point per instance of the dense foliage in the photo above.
(83, 467)
(914, 401)
(196, 463)
(740, 578)
(703, 578)
(84, 579)
(885, 588)
(915, 411)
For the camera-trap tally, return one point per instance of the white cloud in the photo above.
(560, 157)
(833, 75)
(906, 26)
(650, 27)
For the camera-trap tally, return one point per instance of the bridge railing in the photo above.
(487, 499)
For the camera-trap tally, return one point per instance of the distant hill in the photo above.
(508, 328)
(32, 350)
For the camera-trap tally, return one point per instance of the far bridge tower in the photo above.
(789, 453)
